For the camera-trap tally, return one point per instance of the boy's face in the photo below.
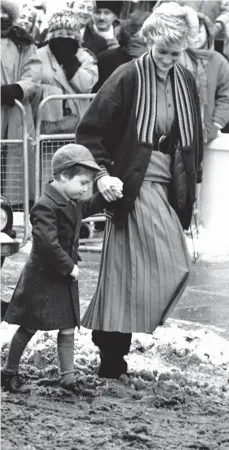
(78, 186)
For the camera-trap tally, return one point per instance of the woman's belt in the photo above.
(164, 143)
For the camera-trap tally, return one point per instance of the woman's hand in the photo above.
(110, 187)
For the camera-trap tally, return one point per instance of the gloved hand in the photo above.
(70, 66)
(10, 93)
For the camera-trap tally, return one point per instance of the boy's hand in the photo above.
(75, 272)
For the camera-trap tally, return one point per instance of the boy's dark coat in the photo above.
(46, 297)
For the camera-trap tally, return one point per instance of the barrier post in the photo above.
(24, 142)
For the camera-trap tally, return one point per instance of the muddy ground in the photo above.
(176, 396)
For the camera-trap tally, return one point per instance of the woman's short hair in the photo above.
(171, 24)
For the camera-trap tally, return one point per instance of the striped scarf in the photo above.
(146, 108)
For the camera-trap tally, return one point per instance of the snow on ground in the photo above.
(176, 396)
(174, 351)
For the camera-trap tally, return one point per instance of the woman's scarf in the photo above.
(147, 101)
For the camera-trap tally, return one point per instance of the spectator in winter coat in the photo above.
(211, 71)
(20, 79)
(218, 12)
(105, 18)
(67, 69)
(132, 45)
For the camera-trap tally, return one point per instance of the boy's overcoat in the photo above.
(46, 297)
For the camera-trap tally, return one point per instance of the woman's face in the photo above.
(84, 10)
(26, 19)
(202, 36)
(165, 58)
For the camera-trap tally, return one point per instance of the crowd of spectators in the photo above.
(76, 47)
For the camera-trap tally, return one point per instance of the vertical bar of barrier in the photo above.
(24, 142)
(26, 172)
(40, 136)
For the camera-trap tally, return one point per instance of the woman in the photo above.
(28, 21)
(211, 71)
(20, 79)
(146, 110)
(67, 69)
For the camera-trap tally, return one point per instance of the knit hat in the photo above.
(71, 154)
(64, 24)
(11, 7)
(115, 7)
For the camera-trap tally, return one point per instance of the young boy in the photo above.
(46, 296)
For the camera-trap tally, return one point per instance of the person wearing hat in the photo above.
(67, 69)
(46, 296)
(105, 18)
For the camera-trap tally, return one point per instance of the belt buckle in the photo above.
(160, 141)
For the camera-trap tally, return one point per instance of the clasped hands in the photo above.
(110, 188)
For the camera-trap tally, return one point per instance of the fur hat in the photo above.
(115, 7)
(64, 24)
(11, 7)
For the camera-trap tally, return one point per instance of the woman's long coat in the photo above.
(45, 297)
(21, 66)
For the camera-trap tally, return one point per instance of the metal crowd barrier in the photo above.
(46, 146)
(13, 179)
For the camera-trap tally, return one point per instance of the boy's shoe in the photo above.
(13, 382)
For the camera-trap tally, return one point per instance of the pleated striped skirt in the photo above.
(144, 263)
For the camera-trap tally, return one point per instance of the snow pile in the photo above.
(177, 361)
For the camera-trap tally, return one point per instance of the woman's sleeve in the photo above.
(100, 127)
(86, 76)
(221, 110)
(31, 71)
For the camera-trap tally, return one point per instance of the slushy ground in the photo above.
(176, 396)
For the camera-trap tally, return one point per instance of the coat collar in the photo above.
(68, 207)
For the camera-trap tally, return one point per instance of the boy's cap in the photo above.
(71, 154)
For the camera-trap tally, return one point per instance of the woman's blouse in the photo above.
(165, 106)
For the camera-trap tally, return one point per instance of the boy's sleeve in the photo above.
(44, 231)
(94, 205)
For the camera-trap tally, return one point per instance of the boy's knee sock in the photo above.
(17, 347)
(65, 348)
